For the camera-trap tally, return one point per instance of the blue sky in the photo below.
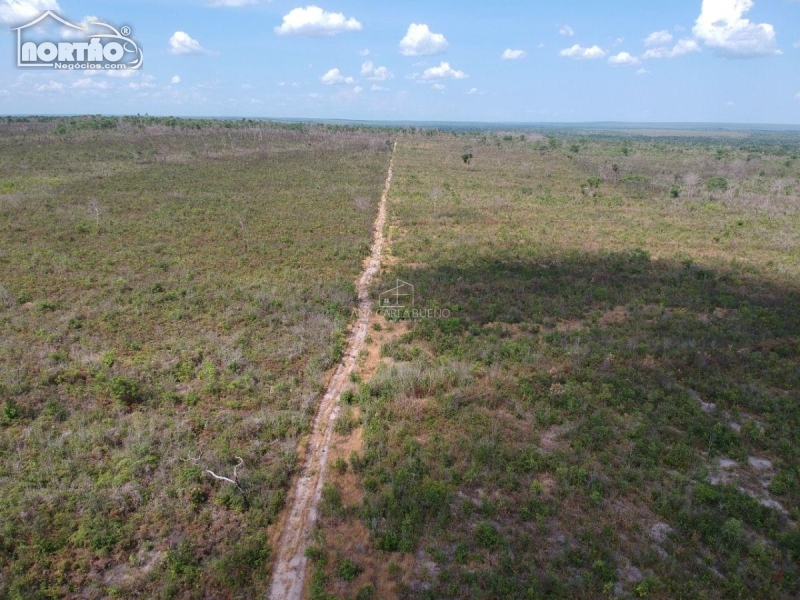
(519, 60)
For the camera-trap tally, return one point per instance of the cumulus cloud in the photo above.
(578, 52)
(373, 73)
(176, 79)
(624, 59)
(53, 86)
(421, 41)
(378, 88)
(722, 26)
(472, 91)
(658, 38)
(312, 21)
(510, 54)
(682, 48)
(334, 77)
(87, 83)
(182, 43)
(358, 89)
(364, 52)
(18, 12)
(566, 31)
(443, 71)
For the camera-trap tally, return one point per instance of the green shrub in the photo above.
(10, 411)
(486, 536)
(717, 184)
(125, 390)
(347, 570)
(365, 592)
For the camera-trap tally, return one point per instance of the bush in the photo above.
(10, 411)
(125, 390)
(340, 465)
(347, 569)
(717, 184)
(365, 592)
(486, 536)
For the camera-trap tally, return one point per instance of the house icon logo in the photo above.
(98, 46)
(401, 296)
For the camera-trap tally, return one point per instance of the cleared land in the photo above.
(613, 408)
(172, 295)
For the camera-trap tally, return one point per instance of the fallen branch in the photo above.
(232, 481)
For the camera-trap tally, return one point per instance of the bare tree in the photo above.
(435, 194)
(96, 210)
(691, 180)
(243, 232)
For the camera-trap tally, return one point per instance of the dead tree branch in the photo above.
(232, 481)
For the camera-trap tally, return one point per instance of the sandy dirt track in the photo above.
(288, 577)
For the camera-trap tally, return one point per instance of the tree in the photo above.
(467, 158)
(95, 211)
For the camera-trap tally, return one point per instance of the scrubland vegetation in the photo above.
(172, 294)
(613, 407)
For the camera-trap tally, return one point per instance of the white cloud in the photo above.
(443, 71)
(566, 31)
(314, 22)
(334, 77)
(580, 53)
(374, 73)
(182, 43)
(682, 48)
(147, 82)
(176, 79)
(510, 54)
(120, 73)
(658, 38)
(90, 84)
(420, 41)
(722, 26)
(68, 33)
(53, 86)
(18, 12)
(642, 71)
(364, 52)
(378, 88)
(439, 87)
(624, 59)
(358, 89)
(472, 91)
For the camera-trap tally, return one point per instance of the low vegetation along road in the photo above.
(290, 565)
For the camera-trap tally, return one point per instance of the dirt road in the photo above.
(288, 576)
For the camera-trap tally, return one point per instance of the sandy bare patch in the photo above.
(614, 317)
